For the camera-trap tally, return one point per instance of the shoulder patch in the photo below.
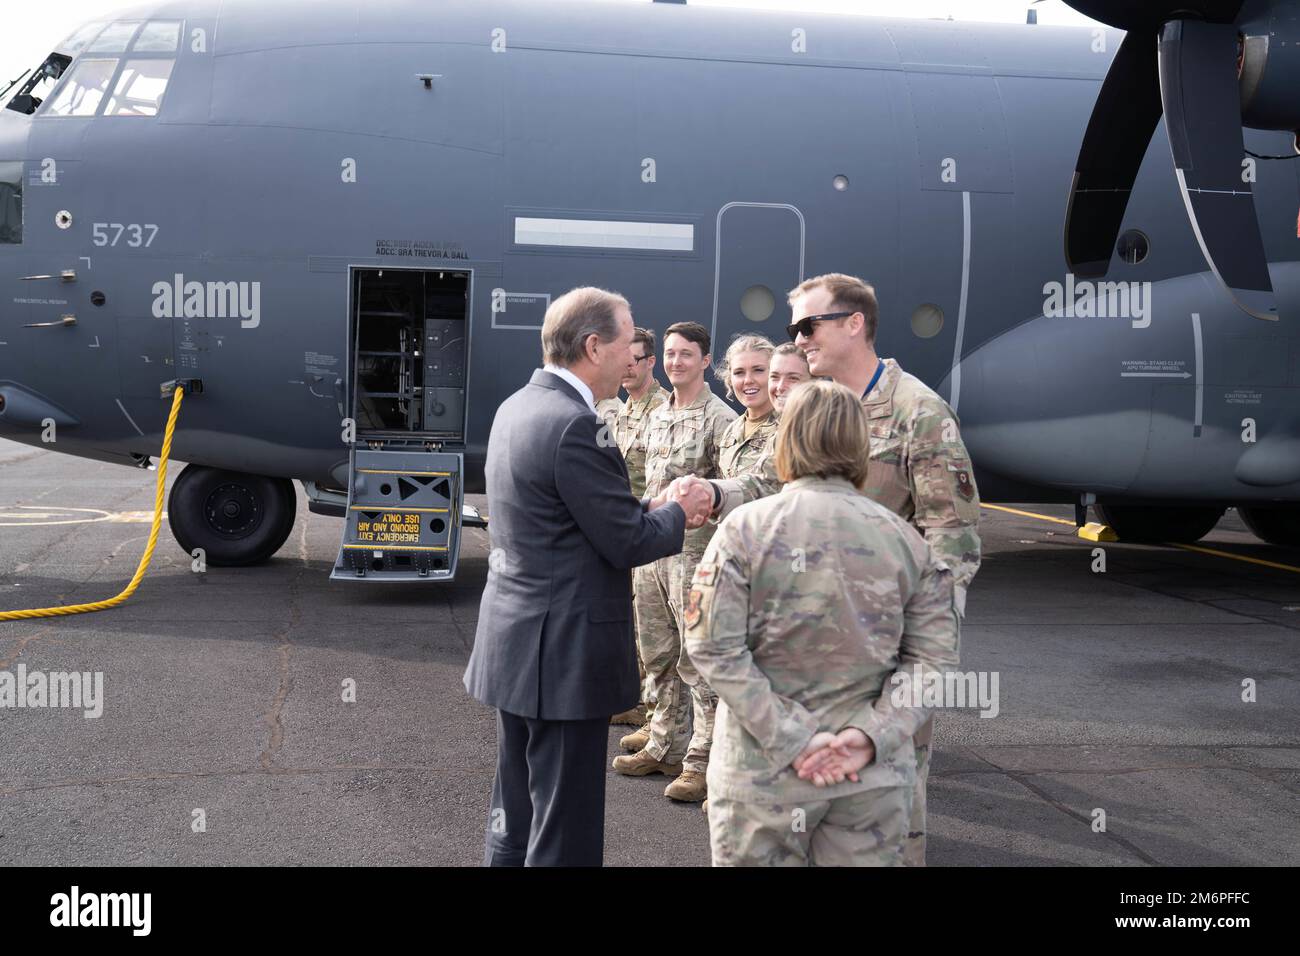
(965, 486)
(692, 615)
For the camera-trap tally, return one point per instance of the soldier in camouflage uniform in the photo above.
(682, 438)
(919, 467)
(747, 468)
(803, 608)
(644, 395)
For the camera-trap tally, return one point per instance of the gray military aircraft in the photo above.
(344, 222)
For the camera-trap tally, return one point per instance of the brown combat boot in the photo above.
(641, 764)
(629, 718)
(688, 788)
(636, 740)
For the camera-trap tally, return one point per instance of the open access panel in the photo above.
(409, 334)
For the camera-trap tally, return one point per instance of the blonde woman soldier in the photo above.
(746, 473)
(746, 446)
(804, 607)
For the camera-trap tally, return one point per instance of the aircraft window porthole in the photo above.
(927, 320)
(841, 183)
(98, 299)
(1133, 247)
(758, 303)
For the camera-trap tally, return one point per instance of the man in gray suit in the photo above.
(554, 652)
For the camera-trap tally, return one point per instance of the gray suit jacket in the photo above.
(554, 638)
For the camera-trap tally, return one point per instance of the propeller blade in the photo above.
(1123, 121)
(1202, 101)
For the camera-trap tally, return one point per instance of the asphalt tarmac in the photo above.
(223, 702)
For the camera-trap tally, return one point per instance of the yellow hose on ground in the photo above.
(146, 559)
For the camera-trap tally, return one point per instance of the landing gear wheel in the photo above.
(237, 519)
(1157, 525)
(1280, 526)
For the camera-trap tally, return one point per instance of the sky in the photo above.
(31, 30)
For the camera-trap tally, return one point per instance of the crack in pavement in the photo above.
(1051, 801)
(273, 718)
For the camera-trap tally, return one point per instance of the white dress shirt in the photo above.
(583, 389)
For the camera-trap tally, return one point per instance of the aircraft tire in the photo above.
(1158, 525)
(1280, 526)
(237, 519)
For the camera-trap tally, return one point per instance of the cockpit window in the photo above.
(11, 204)
(77, 42)
(158, 36)
(39, 85)
(84, 89)
(140, 88)
(115, 38)
(137, 88)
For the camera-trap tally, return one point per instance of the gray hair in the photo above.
(740, 344)
(573, 317)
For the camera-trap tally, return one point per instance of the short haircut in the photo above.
(691, 332)
(850, 294)
(739, 345)
(644, 337)
(573, 317)
(789, 348)
(823, 432)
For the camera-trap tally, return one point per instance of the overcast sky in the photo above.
(31, 30)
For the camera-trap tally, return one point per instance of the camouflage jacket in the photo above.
(921, 471)
(803, 607)
(683, 442)
(609, 409)
(630, 430)
(748, 465)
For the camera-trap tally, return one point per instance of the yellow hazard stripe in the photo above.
(1029, 514)
(387, 547)
(392, 510)
(1238, 557)
(416, 474)
(1186, 547)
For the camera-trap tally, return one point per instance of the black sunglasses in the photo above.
(805, 325)
(641, 358)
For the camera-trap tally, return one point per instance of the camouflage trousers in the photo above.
(914, 850)
(862, 829)
(647, 702)
(682, 700)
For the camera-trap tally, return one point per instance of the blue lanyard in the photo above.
(880, 368)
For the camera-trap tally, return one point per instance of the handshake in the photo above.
(695, 495)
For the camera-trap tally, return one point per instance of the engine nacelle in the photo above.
(1269, 68)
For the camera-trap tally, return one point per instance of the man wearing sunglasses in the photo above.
(919, 467)
(644, 395)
